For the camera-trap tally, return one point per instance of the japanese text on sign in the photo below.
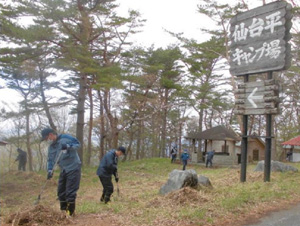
(271, 50)
(256, 28)
(259, 39)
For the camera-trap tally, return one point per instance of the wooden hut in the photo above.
(255, 150)
(227, 145)
(221, 139)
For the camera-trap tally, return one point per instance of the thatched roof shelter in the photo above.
(215, 133)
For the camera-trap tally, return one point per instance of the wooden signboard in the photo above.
(257, 98)
(259, 39)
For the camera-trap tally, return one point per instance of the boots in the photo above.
(63, 205)
(102, 198)
(106, 199)
(71, 208)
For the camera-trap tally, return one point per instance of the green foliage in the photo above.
(84, 37)
(220, 14)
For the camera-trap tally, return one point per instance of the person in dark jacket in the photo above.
(289, 156)
(209, 158)
(63, 151)
(173, 154)
(184, 158)
(109, 166)
(22, 158)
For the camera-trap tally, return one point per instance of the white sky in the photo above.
(173, 15)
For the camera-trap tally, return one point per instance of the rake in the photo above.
(43, 187)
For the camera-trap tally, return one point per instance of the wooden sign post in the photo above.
(259, 44)
(257, 98)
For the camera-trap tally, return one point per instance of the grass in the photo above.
(140, 203)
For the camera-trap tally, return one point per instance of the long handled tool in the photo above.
(43, 187)
(117, 182)
(118, 190)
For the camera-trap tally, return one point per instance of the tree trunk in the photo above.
(142, 146)
(138, 142)
(27, 113)
(199, 151)
(179, 134)
(80, 113)
(113, 121)
(164, 123)
(155, 135)
(89, 146)
(45, 104)
(102, 126)
(41, 157)
(129, 149)
(115, 133)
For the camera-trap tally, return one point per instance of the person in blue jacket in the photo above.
(209, 158)
(184, 158)
(63, 150)
(109, 166)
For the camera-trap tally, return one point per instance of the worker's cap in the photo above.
(45, 133)
(122, 149)
(185, 150)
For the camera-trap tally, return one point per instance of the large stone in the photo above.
(204, 181)
(275, 167)
(179, 179)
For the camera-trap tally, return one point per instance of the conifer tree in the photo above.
(85, 38)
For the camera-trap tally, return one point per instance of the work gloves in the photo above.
(64, 146)
(49, 175)
(116, 177)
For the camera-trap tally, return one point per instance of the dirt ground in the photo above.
(45, 214)
(42, 215)
(39, 215)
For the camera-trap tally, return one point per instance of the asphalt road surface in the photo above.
(290, 217)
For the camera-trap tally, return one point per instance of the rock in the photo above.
(204, 181)
(275, 167)
(179, 179)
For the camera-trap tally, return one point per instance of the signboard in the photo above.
(257, 98)
(259, 39)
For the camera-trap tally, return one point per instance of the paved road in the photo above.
(290, 217)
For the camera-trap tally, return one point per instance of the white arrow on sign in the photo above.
(251, 97)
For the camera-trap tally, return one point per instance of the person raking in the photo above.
(64, 147)
(109, 166)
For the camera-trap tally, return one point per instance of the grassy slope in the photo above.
(140, 204)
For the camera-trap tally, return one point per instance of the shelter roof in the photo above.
(293, 142)
(3, 143)
(215, 133)
(252, 138)
(255, 136)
